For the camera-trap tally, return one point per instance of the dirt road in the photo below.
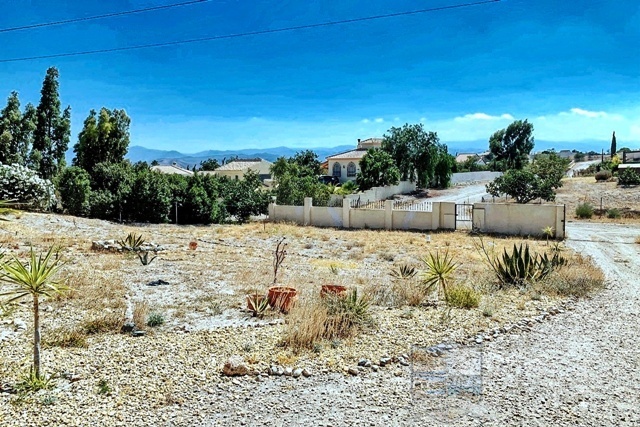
(582, 367)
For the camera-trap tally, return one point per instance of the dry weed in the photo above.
(66, 338)
(140, 313)
(579, 278)
(107, 322)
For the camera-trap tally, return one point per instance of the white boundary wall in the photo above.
(518, 219)
(379, 193)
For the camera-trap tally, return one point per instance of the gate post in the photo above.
(308, 202)
(388, 214)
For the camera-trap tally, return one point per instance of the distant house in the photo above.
(630, 157)
(238, 168)
(566, 154)
(345, 166)
(480, 158)
(172, 169)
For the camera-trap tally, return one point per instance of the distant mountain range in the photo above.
(166, 157)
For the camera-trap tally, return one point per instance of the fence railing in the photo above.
(410, 205)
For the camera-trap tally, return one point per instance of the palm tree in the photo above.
(36, 280)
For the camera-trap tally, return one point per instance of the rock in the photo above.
(138, 333)
(306, 373)
(384, 361)
(353, 371)
(296, 373)
(235, 366)
(288, 371)
(158, 282)
(128, 327)
(403, 361)
(19, 324)
(364, 362)
(280, 371)
(398, 373)
(273, 370)
(375, 368)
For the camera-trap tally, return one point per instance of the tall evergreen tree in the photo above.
(613, 144)
(103, 139)
(52, 131)
(16, 130)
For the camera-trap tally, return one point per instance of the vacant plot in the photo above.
(613, 198)
(194, 302)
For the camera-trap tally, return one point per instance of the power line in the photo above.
(250, 33)
(106, 15)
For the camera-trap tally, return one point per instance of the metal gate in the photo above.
(464, 217)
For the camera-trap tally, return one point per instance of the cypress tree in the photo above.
(52, 131)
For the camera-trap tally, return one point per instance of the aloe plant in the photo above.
(144, 258)
(258, 304)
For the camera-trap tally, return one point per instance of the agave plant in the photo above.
(144, 258)
(405, 271)
(132, 242)
(258, 304)
(439, 273)
(522, 265)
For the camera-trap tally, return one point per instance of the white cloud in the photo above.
(379, 120)
(423, 119)
(365, 120)
(587, 113)
(484, 116)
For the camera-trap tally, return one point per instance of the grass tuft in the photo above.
(462, 296)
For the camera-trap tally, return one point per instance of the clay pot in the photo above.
(282, 297)
(193, 245)
(333, 290)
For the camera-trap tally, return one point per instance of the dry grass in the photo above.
(462, 296)
(107, 322)
(140, 314)
(65, 337)
(579, 278)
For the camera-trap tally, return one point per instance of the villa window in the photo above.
(351, 169)
(336, 170)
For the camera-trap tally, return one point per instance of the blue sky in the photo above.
(570, 67)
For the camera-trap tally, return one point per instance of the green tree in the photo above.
(443, 170)
(16, 131)
(613, 144)
(103, 139)
(52, 130)
(377, 169)
(414, 151)
(550, 167)
(35, 279)
(150, 196)
(209, 165)
(521, 184)
(74, 186)
(111, 185)
(246, 197)
(511, 146)
(308, 162)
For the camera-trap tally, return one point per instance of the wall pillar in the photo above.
(388, 214)
(308, 203)
(272, 211)
(346, 214)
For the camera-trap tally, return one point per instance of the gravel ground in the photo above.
(579, 367)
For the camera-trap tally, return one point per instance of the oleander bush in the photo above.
(23, 185)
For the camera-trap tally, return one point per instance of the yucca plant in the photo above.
(405, 271)
(439, 273)
(133, 242)
(258, 304)
(34, 279)
(350, 310)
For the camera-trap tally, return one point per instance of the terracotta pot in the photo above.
(254, 300)
(333, 290)
(282, 297)
(193, 245)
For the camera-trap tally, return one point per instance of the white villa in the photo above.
(347, 165)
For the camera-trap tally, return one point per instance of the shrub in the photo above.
(629, 177)
(74, 186)
(108, 322)
(613, 213)
(603, 175)
(461, 296)
(155, 319)
(23, 185)
(584, 210)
